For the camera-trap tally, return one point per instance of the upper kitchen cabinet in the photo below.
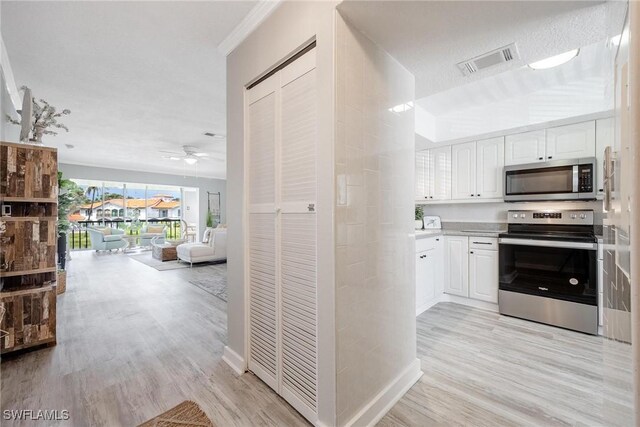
(604, 138)
(527, 147)
(439, 176)
(477, 169)
(421, 175)
(571, 142)
(463, 174)
(489, 165)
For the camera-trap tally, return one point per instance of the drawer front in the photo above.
(427, 243)
(487, 243)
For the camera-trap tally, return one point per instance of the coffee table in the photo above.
(165, 252)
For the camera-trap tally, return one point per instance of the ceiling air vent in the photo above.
(489, 59)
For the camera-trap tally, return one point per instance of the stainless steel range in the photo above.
(548, 262)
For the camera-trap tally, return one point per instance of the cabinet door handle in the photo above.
(431, 197)
(540, 158)
(550, 157)
(472, 195)
(437, 240)
(482, 243)
(471, 252)
(478, 195)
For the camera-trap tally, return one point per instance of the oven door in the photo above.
(561, 270)
(557, 180)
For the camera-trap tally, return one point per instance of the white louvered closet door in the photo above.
(263, 293)
(298, 187)
(282, 232)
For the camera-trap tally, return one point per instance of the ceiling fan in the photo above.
(190, 156)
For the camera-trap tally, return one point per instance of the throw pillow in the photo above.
(207, 235)
(155, 229)
(105, 231)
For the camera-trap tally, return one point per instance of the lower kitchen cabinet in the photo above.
(483, 275)
(471, 267)
(456, 272)
(429, 272)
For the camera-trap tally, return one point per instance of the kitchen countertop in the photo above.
(421, 234)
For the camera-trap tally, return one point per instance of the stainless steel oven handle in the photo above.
(548, 243)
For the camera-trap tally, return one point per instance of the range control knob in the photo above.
(573, 216)
(523, 216)
(583, 216)
(515, 215)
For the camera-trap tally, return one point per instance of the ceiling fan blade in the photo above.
(177, 153)
(201, 154)
(173, 157)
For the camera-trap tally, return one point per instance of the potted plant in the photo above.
(70, 196)
(209, 219)
(44, 118)
(419, 217)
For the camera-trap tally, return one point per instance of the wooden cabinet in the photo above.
(527, 147)
(456, 274)
(489, 168)
(571, 142)
(429, 272)
(483, 275)
(604, 137)
(463, 171)
(28, 236)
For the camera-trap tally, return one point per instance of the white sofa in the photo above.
(213, 250)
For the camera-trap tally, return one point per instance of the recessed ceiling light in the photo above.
(190, 160)
(554, 61)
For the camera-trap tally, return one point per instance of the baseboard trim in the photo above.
(234, 360)
(389, 396)
(427, 306)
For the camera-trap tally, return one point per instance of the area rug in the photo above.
(147, 259)
(186, 414)
(214, 283)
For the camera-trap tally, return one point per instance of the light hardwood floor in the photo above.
(134, 342)
(483, 369)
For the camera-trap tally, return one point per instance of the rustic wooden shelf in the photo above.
(13, 291)
(23, 272)
(27, 200)
(28, 218)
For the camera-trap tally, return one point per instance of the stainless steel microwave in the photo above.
(555, 180)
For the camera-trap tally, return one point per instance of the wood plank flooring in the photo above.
(483, 369)
(134, 342)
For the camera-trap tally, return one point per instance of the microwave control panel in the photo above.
(585, 179)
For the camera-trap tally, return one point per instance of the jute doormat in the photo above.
(186, 414)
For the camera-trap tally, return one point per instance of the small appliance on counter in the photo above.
(548, 268)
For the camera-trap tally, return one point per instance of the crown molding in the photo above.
(7, 72)
(254, 18)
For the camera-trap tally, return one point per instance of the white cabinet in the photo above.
(420, 174)
(477, 169)
(429, 272)
(572, 141)
(483, 275)
(456, 273)
(489, 168)
(527, 147)
(439, 173)
(471, 267)
(604, 137)
(463, 166)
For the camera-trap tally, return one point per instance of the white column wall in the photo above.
(375, 266)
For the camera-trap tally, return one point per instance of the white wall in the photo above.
(287, 29)
(375, 252)
(121, 175)
(191, 206)
(8, 131)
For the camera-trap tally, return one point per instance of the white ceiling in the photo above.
(138, 76)
(430, 37)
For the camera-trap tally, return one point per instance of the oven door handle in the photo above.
(548, 243)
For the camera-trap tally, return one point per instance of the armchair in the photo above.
(106, 242)
(149, 231)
